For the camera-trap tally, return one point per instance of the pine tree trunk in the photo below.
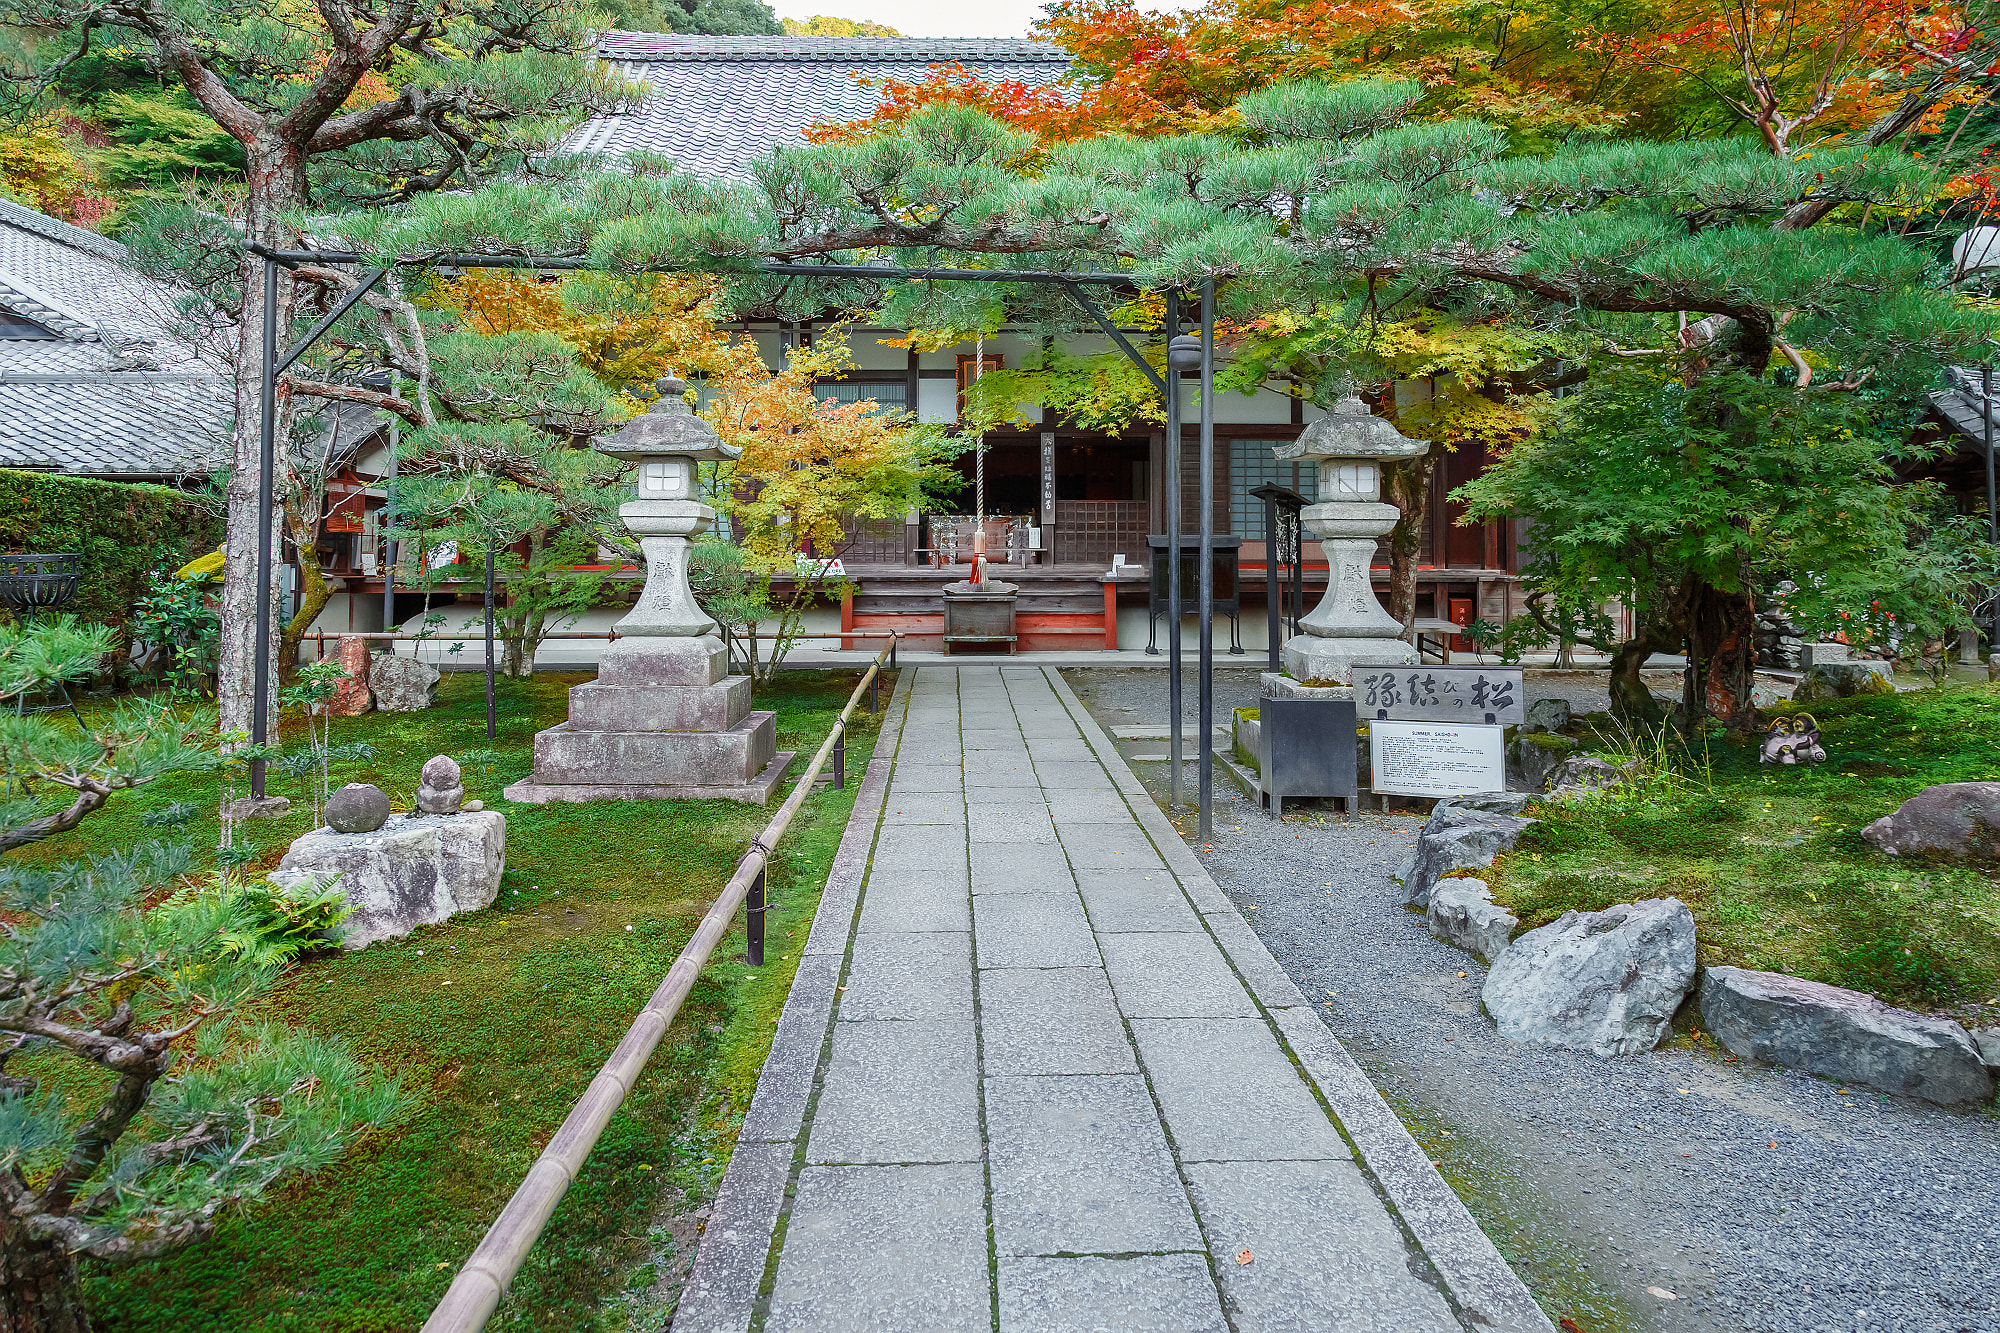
(40, 1291)
(1407, 485)
(276, 179)
(1722, 656)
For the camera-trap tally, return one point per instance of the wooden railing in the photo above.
(475, 1292)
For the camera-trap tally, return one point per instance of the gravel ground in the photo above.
(1761, 1198)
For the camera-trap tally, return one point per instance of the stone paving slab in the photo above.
(908, 977)
(1079, 1166)
(1229, 1093)
(1052, 1020)
(1032, 930)
(1036, 1073)
(1146, 1293)
(899, 1092)
(1118, 902)
(884, 1248)
(1317, 1261)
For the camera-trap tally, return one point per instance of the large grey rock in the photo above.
(1532, 756)
(440, 790)
(1546, 715)
(1493, 802)
(413, 871)
(1841, 1034)
(1462, 912)
(1952, 818)
(258, 807)
(1605, 982)
(1582, 772)
(359, 807)
(1987, 1042)
(1819, 654)
(1842, 680)
(1455, 838)
(402, 684)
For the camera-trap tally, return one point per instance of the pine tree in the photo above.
(1328, 196)
(341, 103)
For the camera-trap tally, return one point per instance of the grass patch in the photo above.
(1770, 858)
(498, 1019)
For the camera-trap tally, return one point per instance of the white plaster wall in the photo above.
(870, 354)
(937, 400)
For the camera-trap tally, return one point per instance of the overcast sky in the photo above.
(929, 18)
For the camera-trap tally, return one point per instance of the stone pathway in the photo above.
(1037, 1074)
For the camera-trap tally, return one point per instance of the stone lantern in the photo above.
(663, 719)
(1348, 625)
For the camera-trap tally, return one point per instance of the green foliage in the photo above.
(1641, 484)
(123, 530)
(747, 18)
(265, 924)
(1770, 859)
(726, 587)
(182, 631)
(163, 139)
(45, 763)
(1101, 391)
(242, 1105)
(538, 997)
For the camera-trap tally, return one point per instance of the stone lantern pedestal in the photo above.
(663, 719)
(1348, 625)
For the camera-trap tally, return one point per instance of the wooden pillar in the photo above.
(846, 619)
(1110, 615)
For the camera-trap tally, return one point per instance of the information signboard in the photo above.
(1487, 695)
(1436, 758)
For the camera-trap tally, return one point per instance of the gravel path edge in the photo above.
(1480, 1281)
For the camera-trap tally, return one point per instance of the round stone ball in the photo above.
(441, 772)
(359, 807)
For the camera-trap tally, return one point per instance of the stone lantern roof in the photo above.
(1350, 431)
(669, 426)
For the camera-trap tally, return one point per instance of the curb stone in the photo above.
(1489, 1292)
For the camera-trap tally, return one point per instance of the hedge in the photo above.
(124, 530)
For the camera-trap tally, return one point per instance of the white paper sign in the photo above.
(1436, 758)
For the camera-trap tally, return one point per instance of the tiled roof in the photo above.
(720, 102)
(1962, 404)
(113, 394)
(126, 423)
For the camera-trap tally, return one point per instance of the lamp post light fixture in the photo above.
(1349, 444)
(666, 442)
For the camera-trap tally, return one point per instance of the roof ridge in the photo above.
(669, 46)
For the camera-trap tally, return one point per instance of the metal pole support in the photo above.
(267, 448)
(753, 921)
(894, 643)
(1173, 487)
(1273, 613)
(840, 760)
(1205, 707)
(874, 681)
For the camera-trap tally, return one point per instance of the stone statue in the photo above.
(441, 790)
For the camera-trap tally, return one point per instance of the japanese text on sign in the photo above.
(1490, 696)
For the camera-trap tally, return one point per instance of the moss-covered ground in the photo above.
(498, 1020)
(1771, 861)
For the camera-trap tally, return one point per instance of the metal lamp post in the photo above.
(1183, 355)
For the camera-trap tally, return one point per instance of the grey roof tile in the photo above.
(133, 424)
(718, 103)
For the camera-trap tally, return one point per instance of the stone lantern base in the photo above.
(661, 722)
(1330, 661)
